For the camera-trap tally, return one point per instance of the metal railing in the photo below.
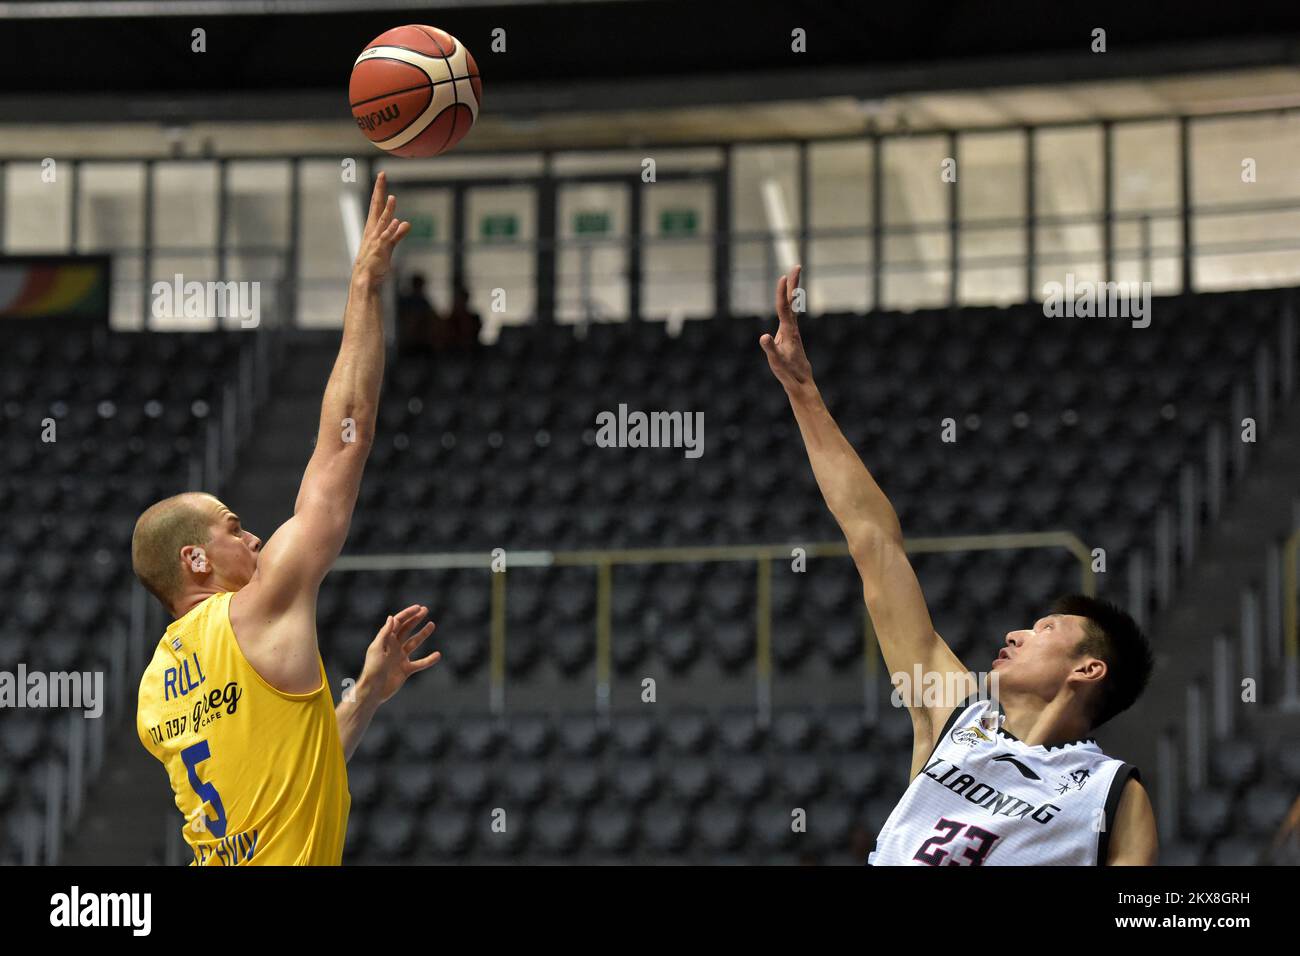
(762, 556)
(1203, 487)
(232, 422)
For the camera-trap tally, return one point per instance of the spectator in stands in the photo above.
(465, 322)
(417, 320)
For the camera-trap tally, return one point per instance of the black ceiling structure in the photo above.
(617, 54)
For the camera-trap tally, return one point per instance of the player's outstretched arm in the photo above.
(388, 665)
(1133, 840)
(301, 552)
(869, 522)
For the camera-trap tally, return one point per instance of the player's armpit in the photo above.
(1133, 840)
(274, 615)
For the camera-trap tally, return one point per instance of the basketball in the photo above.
(415, 91)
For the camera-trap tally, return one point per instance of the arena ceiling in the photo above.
(625, 72)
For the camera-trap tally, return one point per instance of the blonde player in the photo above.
(235, 702)
(1028, 786)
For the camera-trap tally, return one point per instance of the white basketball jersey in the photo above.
(986, 798)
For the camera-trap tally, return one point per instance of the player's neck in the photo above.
(192, 599)
(1034, 722)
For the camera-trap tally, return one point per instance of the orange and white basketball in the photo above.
(415, 91)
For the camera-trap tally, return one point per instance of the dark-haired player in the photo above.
(1028, 786)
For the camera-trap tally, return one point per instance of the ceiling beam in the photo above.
(90, 9)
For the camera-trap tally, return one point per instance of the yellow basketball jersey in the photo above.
(258, 774)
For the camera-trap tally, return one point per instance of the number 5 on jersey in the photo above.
(193, 755)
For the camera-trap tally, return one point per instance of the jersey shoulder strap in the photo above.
(1124, 773)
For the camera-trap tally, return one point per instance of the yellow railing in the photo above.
(763, 556)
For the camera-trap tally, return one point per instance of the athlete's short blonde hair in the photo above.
(160, 533)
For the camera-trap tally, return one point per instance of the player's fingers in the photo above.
(386, 234)
(782, 301)
(394, 637)
(428, 625)
(793, 284)
(767, 343)
(400, 233)
(413, 622)
(386, 214)
(418, 638)
(425, 663)
(377, 197)
(783, 310)
(406, 619)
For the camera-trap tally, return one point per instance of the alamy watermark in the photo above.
(1087, 299)
(56, 689)
(75, 908)
(179, 299)
(942, 689)
(637, 429)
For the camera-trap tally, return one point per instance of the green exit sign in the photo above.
(499, 226)
(591, 223)
(678, 222)
(424, 229)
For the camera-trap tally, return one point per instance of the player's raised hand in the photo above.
(382, 234)
(784, 350)
(388, 659)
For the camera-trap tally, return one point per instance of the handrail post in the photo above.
(53, 812)
(120, 656)
(1138, 588)
(1164, 574)
(1214, 470)
(32, 838)
(247, 386)
(76, 763)
(212, 459)
(763, 644)
(1286, 352)
(95, 758)
(229, 426)
(1088, 577)
(604, 635)
(497, 645)
(1189, 516)
(1239, 449)
(1250, 636)
(1263, 390)
(1167, 792)
(1222, 685)
(1194, 724)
